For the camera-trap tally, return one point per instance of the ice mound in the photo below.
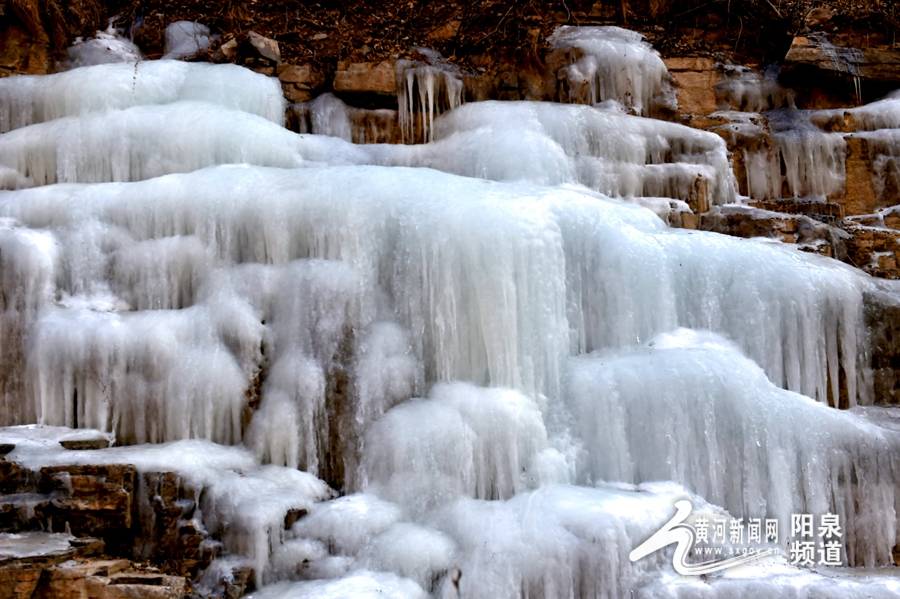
(28, 99)
(147, 141)
(742, 442)
(467, 441)
(611, 63)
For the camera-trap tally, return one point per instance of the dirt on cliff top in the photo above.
(464, 31)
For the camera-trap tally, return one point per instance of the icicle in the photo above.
(436, 85)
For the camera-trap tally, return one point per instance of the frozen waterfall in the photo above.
(507, 367)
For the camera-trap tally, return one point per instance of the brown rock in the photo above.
(859, 195)
(83, 444)
(818, 16)
(695, 79)
(20, 53)
(265, 47)
(813, 52)
(366, 77)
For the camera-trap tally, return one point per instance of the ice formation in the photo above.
(425, 89)
(611, 63)
(30, 99)
(411, 323)
(185, 39)
(105, 47)
(725, 411)
(552, 144)
(745, 90)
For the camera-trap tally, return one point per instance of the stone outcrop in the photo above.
(41, 565)
(111, 518)
(815, 51)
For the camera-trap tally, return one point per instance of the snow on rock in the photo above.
(243, 503)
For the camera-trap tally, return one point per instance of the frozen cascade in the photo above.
(415, 337)
(530, 141)
(611, 63)
(425, 88)
(29, 99)
(550, 249)
(742, 443)
(804, 161)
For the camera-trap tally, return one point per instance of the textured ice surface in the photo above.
(611, 63)
(29, 99)
(744, 89)
(548, 290)
(608, 151)
(742, 442)
(362, 584)
(252, 320)
(462, 440)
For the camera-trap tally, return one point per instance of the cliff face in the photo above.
(472, 34)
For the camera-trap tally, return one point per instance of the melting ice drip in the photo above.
(611, 63)
(419, 338)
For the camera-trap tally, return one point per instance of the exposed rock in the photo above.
(695, 80)
(883, 321)
(747, 221)
(859, 191)
(265, 47)
(21, 54)
(300, 82)
(82, 444)
(366, 77)
(818, 16)
(816, 52)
